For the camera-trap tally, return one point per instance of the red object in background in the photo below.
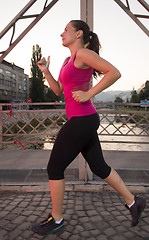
(55, 103)
(10, 113)
(29, 100)
(16, 141)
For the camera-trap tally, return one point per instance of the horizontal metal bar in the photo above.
(129, 142)
(29, 16)
(107, 104)
(52, 141)
(141, 16)
(34, 104)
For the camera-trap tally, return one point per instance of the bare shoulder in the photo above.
(88, 57)
(81, 56)
(85, 52)
(92, 59)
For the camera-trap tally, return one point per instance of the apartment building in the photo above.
(14, 83)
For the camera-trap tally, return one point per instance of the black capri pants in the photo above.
(79, 134)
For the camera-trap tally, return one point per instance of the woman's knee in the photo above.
(102, 172)
(54, 173)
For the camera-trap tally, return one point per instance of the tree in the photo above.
(144, 93)
(52, 97)
(118, 100)
(37, 78)
(134, 97)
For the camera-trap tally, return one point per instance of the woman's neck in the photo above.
(73, 48)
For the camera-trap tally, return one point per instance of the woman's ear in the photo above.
(79, 33)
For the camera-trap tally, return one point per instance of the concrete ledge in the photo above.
(78, 186)
(88, 187)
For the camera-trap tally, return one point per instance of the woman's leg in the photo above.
(70, 140)
(92, 152)
(115, 181)
(57, 189)
(94, 156)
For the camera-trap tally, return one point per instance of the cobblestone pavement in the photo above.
(88, 215)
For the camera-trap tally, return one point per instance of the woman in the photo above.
(79, 134)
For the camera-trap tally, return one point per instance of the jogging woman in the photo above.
(79, 133)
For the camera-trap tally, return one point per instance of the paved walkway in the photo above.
(39, 159)
(91, 211)
(29, 166)
(92, 216)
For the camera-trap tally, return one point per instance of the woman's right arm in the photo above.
(56, 86)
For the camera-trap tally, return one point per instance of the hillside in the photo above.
(110, 96)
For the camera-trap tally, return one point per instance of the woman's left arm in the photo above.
(111, 74)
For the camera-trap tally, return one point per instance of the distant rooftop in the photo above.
(12, 65)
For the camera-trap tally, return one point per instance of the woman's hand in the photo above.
(81, 96)
(43, 64)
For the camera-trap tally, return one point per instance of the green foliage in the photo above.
(118, 100)
(134, 97)
(34, 122)
(52, 97)
(47, 122)
(143, 95)
(37, 79)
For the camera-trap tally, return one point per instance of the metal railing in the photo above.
(39, 123)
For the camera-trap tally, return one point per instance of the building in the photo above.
(14, 83)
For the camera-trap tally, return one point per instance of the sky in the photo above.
(124, 44)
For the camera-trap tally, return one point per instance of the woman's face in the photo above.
(69, 35)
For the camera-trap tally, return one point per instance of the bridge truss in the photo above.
(86, 14)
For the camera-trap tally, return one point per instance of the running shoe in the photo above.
(48, 226)
(136, 210)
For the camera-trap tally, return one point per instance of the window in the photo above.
(14, 76)
(25, 88)
(8, 83)
(2, 72)
(20, 78)
(14, 94)
(8, 73)
(5, 93)
(1, 81)
(20, 86)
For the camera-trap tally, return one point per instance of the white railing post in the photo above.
(82, 172)
(85, 173)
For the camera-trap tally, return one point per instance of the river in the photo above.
(116, 144)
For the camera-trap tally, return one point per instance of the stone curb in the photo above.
(76, 186)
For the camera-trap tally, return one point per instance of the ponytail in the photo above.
(90, 39)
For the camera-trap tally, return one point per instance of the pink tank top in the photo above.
(73, 79)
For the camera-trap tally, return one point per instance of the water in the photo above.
(139, 144)
(140, 141)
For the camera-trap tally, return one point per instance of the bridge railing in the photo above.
(35, 125)
(39, 123)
